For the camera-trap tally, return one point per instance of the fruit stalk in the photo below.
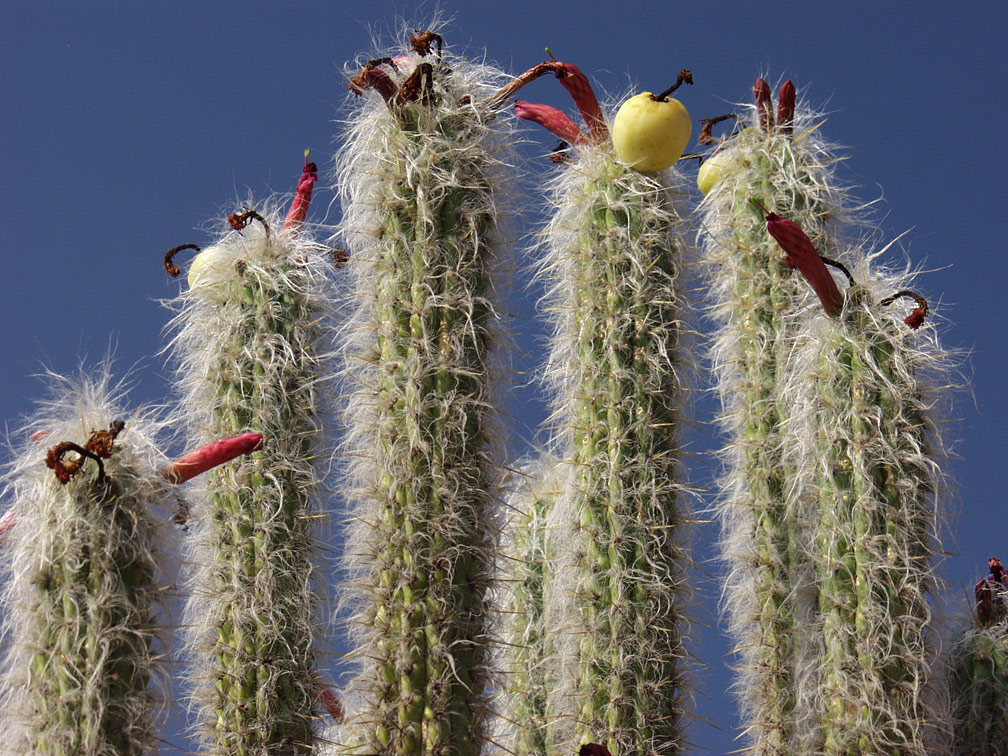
(250, 342)
(85, 653)
(420, 175)
(758, 300)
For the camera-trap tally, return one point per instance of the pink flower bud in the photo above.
(786, 106)
(801, 254)
(210, 455)
(555, 120)
(761, 92)
(299, 207)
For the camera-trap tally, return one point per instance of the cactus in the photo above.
(979, 673)
(251, 343)
(613, 253)
(758, 300)
(85, 667)
(419, 180)
(876, 535)
(527, 570)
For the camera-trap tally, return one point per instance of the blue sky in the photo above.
(127, 127)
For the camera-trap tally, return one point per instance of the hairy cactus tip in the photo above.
(83, 630)
(251, 336)
(421, 175)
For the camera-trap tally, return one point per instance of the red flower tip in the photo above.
(299, 207)
(593, 749)
(786, 106)
(555, 120)
(916, 317)
(801, 254)
(210, 455)
(761, 93)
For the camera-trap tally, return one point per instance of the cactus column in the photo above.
(527, 567)
(616, 252)
(418, 178)
(250, 342)
(81, 592)
(979, 672)
(876, 534)
(786, 168)
(613, 257)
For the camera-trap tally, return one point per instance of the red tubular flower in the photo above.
(299, 207)
(576, 84)
(555, 120)
(801, 254)
(6, 523)
(210, 455)
(580, 89)
(761, 92)
(786, 106)
(331, 702)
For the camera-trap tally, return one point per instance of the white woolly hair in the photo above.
(55, 528)
(225, 350)
(464, 157)
(797, 171)
(525, 659)
(978, 680)
(656, 306)
(907, 433)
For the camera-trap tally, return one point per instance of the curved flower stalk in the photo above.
(876, 445)
(419, 178)
(614, 253)
(979, 673)
(251, 342)
(528, 662)
(757, 300)
(84, 668)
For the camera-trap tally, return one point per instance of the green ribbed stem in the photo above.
(874, 536)
(427, 290)
(528, 651)
(765, 294)
(979, 685)
(261, 659)
(95, 620)
(760, 296)
(623, 398)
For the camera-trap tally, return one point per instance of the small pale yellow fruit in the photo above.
(651, 134)
(211, 271)
(711, 170)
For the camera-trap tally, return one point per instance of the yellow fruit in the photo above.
(711, 171)
(651, 134)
